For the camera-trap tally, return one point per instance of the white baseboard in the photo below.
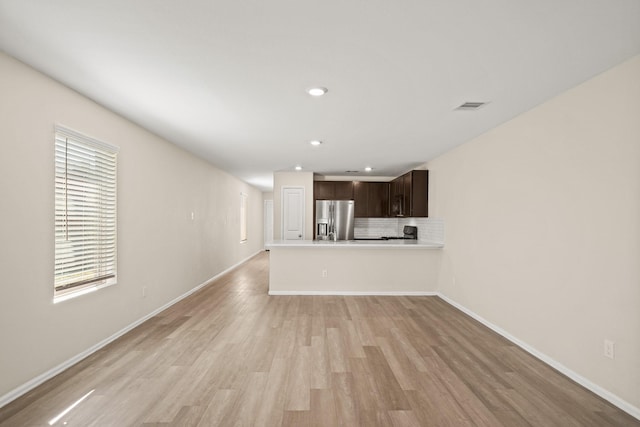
(605, 394)
(356, 293)
(33, 383)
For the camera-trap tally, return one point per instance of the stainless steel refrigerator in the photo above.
(334, 219)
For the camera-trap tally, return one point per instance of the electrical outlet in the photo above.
(144, 292)
(324, 273)
(609, 349)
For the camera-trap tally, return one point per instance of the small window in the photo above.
(243, 217)
(85, 214)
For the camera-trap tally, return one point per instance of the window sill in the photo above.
(74, 294)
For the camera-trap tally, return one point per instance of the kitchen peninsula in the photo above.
(361, 267)
(359, 238)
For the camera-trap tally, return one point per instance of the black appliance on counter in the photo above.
(410, 232)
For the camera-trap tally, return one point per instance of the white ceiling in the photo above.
(226, 79)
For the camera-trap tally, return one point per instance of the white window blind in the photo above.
(85, 212)
(243, 217)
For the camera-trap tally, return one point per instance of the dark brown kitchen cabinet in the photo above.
(344, 190)
(371, 199)
(378, 206)
(409, 194)
(323, 190)
(333, 190)
(404, 196)
(361, 199)
(396, 203)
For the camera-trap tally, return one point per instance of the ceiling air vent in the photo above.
(471, 105)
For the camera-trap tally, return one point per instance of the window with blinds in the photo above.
(85, 213)
(243, 217)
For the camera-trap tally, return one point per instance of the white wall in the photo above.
(543, 227)
(293, 179)
(159, 246)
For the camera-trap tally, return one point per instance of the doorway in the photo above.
(292, 213)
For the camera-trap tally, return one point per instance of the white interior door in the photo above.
(292, 213)
(268, 221)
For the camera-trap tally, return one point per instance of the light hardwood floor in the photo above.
(231, 355)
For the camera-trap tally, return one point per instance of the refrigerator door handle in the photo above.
(332, 221)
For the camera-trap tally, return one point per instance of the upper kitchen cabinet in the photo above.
(371, 199)
(396, 195)
(333, 190)
(409, 194)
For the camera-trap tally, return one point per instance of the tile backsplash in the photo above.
(375, 227)
(429, 229)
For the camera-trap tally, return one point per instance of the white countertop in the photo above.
(353, 244)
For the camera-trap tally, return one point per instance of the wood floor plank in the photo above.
(344, 399)
(191, 345)
(323, 409)
(436, 410)
(217, 409)
(443, 382)
(483, 385)
(365, 387)
(243, 412)
(363, 329)
(320, 377)
(404, 419)
(287, 340)
(166, 408)
(303, 330)
(271, 408)
(318, 326)
(402, 369)
(352, 344)
(188, 416)
(204, 379)
(263, 351)
(403, 343)
(298, 389)
(231, 355)
(296, 418)
(336, 350)
(386, 382)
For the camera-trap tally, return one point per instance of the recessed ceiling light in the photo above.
(368, 169)
(315, 142)
(317, 91)
(298, 168)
